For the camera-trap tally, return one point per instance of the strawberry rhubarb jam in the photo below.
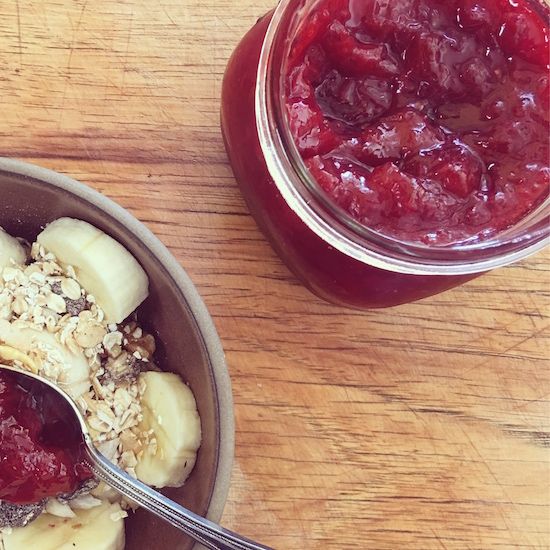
(424, 119)
(40, 451)
(393, 149)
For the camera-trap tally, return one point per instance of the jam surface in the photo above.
(39, 447)
(426, 120)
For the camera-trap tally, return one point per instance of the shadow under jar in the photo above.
(309, 99)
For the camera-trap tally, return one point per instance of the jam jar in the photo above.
(391, 150)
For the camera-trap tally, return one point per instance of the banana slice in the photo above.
(103, 266)
(169, 409)
(10, 249)
(45, 353)
(99, 528)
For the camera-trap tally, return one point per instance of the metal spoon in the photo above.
(200, 529)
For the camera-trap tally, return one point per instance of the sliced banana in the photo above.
(169, 409)
(10, 249)
(103, 266)
(45, 354)
(98, 528)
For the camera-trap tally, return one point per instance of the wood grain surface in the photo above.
(425, 426)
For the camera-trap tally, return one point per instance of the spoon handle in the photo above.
(202, 530)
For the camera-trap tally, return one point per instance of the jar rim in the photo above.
(313, 206)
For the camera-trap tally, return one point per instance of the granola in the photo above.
(46, 297)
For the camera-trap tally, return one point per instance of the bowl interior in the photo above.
(27, 205)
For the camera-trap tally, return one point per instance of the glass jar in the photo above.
(337, 258)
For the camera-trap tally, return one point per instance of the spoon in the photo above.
(200, 529)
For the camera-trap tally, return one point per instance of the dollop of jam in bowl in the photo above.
(41, 449)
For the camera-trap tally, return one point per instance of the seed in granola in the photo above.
(89, 334)
(128, 459)
(75, 307)
(125, 368)
(115, 351)
(70, 272)
(5, 306)
(71, 288)
(18, 515)
(99, 425)
(56, 287)
(56, 303)
(9, 274)
(123, 398)
(51, 324)
(51, 268)
(35, 251)
(112, 339)
(38, 278)
(108, 448)
(129, 441)
(145, 345)
(19, 305)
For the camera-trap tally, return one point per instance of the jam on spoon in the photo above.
(49, 422)
(40, 445)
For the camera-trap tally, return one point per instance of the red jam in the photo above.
(40, 450)
(351, 82)
(426, 120)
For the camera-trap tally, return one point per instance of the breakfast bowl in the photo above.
(173, 313)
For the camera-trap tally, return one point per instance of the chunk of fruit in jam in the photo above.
(397, 136)
(456, 168)
(354, 101)
(355, 58)
(310, 129)
(425, 119)
(479, 14)
(523, 35)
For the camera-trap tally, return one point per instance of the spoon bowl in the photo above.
(76, 431)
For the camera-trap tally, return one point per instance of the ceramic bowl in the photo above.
(31, 197)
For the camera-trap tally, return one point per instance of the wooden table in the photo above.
(424, 426)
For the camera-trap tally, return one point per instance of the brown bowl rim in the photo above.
(205, 324)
